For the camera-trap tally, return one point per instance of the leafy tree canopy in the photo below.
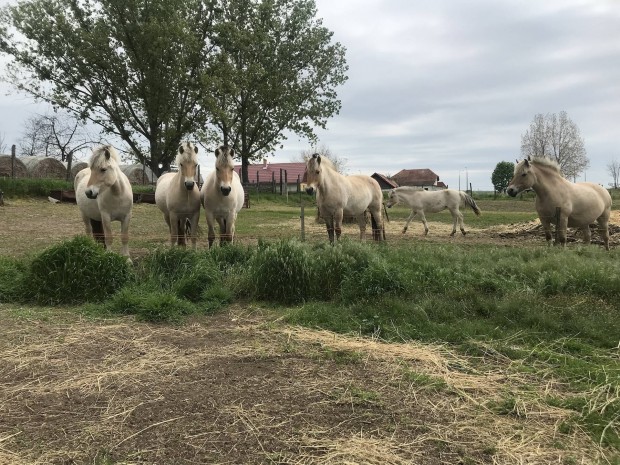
(152, 72)
(502, 174)
(277, 71)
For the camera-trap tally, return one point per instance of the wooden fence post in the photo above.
(303, 223)
(558, 212)
(13, 150)
(69, 163)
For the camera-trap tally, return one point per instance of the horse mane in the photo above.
(545, 162)
(224, 158)
(98, 158)
(325, 162)
(188, 153)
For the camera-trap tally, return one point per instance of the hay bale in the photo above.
(5, 167)
(76, 168)
(139, 174)
(45, 167)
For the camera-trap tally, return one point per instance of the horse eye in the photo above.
(217, 169)
(103, 170)
(317, 171)
(524, 174)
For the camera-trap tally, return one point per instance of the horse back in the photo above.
(362, 192)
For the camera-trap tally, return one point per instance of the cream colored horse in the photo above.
(580, 203)
(338, 195)
(422, 202)
(222, 196)
(178, 197)
(104, 194)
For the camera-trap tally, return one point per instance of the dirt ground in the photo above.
(242, 388)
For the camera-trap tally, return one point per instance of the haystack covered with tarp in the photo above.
(7, 169)
(139, 174)
(76, 167)
(45, 167)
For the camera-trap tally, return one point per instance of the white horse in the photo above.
(339, 195)
(222, 196)
(178, 197)
(579, 203)
(422, 202)
(104, 194)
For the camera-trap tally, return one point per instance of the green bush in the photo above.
(12, 281)
(21, 188)
(280, 272)
(75, 271)
(181, 271)
(148, 305)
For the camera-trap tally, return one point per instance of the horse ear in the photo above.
(232, 152)
(195, 149)
(529, 158)
(217, 152)
(318, 159)
(527, 162)
(181, 148)
(315, 155)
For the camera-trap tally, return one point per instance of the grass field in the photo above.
(431, 350)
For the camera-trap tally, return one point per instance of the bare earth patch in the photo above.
(240, 387)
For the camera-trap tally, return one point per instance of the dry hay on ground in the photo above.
(45, 167)
(8, 169)
(240, 388)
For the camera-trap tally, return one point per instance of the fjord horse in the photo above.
(421, 202)
(579, 203)
(338, 195)
(222, 196)
(178, 197)
(103, 194)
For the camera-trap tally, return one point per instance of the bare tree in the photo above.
(556, 137)
(57, 135)
(3, 145)
(339, 163)
(613, 168)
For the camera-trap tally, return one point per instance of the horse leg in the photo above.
(194, 228)
(411, 216)
(561, 232)
(181, 231)
(211, 229)
(376, 220)
(329, 224)
(174, 228)
(106, 221)
(424, 222)
(546, 224)
(603, 229)
(361, 221)
(125, 237)
(459, 215)
(338, 223)
(223, 235)
(587, 235)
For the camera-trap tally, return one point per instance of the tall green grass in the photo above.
(22, 188)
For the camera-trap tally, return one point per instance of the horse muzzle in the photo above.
(225, 190)
(91, 194)
(512, 192)
(189, 185)
(309, 190)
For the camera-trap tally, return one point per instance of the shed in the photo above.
(139, 174)
(385, 182)
(7, 169)
(45, 167)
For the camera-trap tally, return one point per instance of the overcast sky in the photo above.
(452, 85)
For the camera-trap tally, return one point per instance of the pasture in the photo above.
(489, 348)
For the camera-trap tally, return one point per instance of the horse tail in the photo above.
(98, 233)
(470, 202)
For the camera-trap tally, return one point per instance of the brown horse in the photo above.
(338, 195)
(580, 203)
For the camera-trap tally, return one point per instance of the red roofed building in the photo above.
(423, 178)
(272, 176)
